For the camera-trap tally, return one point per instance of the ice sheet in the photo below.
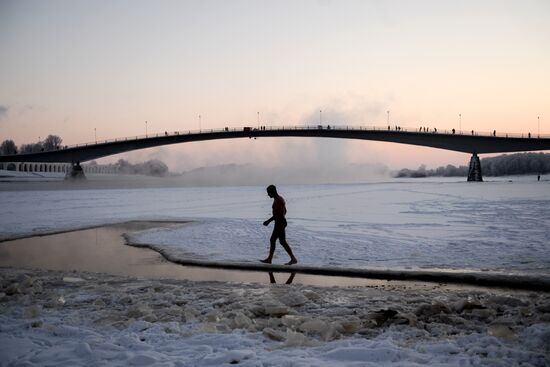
(497, 225)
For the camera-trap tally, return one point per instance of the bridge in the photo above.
(466, 142)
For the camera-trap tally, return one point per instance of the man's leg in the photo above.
(290, 278)
(271, 248)
(282, 239)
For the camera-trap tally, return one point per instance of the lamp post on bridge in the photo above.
(538, 126)
(95, 135)
(145, 128)
(460, 123)
(388, 119)
(320, 117)
(200, 123)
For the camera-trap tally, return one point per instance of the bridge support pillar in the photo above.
(474, 172)
(76, 172)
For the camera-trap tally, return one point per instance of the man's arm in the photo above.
(266, 223)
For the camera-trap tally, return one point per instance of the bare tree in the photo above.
(8, 147)
(31, 148)
(52, 142)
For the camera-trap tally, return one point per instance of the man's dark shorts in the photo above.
(279, 230)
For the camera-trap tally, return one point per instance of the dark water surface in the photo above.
(103, 250)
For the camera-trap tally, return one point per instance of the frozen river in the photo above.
(79, 318)
(499, 225)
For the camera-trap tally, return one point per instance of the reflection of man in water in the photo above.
(279, 211)
(288, 281)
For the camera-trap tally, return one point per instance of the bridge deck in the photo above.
(460, 142)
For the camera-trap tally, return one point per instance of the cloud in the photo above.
(31, 109)
(26, 108)
(3, 111)
(252, 174)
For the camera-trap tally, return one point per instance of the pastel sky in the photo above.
(69, 66)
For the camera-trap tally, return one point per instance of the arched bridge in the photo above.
(470, 142)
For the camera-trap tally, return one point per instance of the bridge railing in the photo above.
(397, 129)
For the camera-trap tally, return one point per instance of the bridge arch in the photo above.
(474, 143)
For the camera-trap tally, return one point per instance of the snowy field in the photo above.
(57, 318)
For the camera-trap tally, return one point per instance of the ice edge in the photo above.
(472, 278)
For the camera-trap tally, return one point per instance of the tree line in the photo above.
(52, 142)
(502, 165)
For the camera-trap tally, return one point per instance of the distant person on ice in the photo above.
(279, 211)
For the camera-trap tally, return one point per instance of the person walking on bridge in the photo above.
(279, 212)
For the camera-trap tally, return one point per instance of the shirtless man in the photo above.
(279, 211)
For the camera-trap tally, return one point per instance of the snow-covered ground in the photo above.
(59, 319)
(56, 318)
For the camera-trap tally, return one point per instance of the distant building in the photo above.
(55, 167)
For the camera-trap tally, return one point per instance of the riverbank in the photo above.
(79, 318)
